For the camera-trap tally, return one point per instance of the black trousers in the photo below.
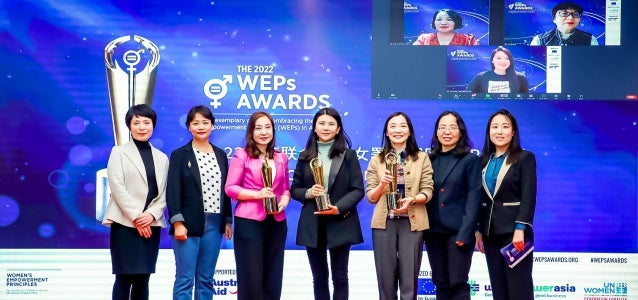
(259, 256)
(450, 265)
(339, 257)
(508, 283)
(131, 287)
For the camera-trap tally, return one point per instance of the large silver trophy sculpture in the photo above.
(128, 85)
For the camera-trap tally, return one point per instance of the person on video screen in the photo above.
(566, 15)
(446, 22)
(502, 78)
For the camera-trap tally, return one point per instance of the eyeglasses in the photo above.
(445, 128)
(566, 14)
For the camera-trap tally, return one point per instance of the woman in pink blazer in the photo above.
(260, 238)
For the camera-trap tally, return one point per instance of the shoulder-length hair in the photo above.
(514, 149)
(510, 72)
(411, 147)
(251, 146)
(341, 141)
(463, 146)
(458, 20)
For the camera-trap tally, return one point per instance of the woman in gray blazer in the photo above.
(137, 179)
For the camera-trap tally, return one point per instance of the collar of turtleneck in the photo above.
(324, 148)
(142, 145)
(447, 153)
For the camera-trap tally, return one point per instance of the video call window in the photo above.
(434, 23)
(562, 23)
(473, 72)
(560, 48)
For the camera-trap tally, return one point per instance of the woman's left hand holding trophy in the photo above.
(404, 203)
(332, 210)
(318, 190)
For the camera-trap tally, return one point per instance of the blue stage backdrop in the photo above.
(289, 58)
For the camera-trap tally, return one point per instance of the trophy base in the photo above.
(322, 202)
(270, 205)
(392, 200)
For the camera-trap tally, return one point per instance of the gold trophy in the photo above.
(392, 164)
(129, 83)
(316, 166)
(270, 203)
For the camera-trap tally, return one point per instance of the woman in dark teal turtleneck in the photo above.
(336, 229)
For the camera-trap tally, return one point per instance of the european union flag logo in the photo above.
(426, 287)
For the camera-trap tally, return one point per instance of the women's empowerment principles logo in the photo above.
(260, 89)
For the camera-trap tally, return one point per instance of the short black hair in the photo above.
(567, 5)
(140, 110)
(458, 21)
(202, 110)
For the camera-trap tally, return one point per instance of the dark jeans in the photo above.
(318, 259)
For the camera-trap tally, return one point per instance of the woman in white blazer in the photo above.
(137, 179)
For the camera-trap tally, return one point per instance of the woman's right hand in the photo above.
(144, 219)
(479, 242)
(266, 193)
(317, 190)
(387, 177)
(375, 194)
(181, 233)
(228, 231)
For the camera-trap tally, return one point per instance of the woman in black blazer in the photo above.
(507, 208)
(454, 208)
(336, 229)
(199, 210)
